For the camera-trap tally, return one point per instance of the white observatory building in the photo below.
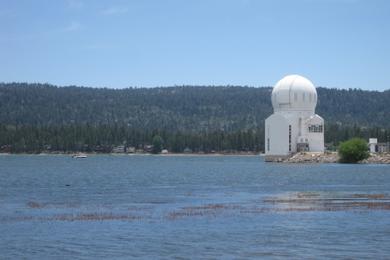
(294, 125)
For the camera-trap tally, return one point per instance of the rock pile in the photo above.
(378, 158)
(332, 157)
(308, 157)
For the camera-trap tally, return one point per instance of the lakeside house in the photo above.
(376, 147)
(119, 149)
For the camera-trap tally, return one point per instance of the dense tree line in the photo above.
(39, 117)
(181, 108)
(103, 138)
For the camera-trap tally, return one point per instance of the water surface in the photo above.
(191, 207)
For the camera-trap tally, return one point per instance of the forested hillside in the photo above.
(199, 117)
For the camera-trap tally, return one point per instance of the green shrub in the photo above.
(353, 150)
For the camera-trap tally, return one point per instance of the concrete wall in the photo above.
(276, 135)
(277, 131)
(316, 140)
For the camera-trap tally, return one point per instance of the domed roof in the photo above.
(294, 93)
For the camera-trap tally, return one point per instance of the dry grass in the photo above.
(370, 196)
(341, 202)
(290, 202)
(35, 205)
(92, 217)
(209, 210)
(139, 208)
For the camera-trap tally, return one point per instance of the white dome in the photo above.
(294, 93)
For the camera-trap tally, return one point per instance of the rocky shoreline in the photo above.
(305, 157)
(383, 158)
(332, 157)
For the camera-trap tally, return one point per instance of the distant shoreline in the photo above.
(140, 154)
(299, 158)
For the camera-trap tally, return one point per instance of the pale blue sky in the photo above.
(146, 43)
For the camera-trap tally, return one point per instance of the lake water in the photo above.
(191, 207)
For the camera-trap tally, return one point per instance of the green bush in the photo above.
(353, 150)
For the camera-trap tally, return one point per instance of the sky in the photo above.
(150, 43)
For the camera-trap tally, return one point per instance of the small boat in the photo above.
(79, 156)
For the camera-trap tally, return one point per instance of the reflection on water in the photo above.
(188, 206)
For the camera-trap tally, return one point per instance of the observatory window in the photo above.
(295, 97)
(289, 138)
(303, 97)
(268, 144)
(315, 128)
